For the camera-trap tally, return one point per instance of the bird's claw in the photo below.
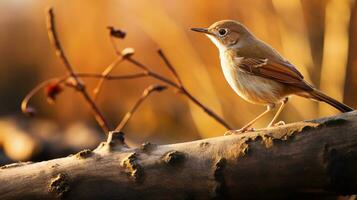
(239, 131)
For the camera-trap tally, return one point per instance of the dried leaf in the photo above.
(52, 90)
(117, 33)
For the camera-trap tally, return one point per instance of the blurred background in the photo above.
(318, 36)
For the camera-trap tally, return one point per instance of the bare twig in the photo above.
(105, 73)
(144, 96)
(179, 85)
(112, 41)
(170, 66)
(114, 33)
(51, 29)
(27, 109)
(183, 89)
(25, 102)
(53, 37)
(205, 108)
(113, 77)
(152, 73)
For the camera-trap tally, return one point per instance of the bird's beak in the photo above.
(202, 30)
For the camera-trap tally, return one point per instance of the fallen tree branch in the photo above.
(305, 159)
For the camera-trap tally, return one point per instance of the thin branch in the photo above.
(25, 108)
(105, 73)
(206, 109)
(152, 73)
(29, 110)
(144, 96)
(141, 65)
(53, 37)
(116, 49)
(113, 77)
(79, 85)
(177, 85)
(183, 90)
(170, 66)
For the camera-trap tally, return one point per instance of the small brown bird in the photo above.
(257, 72)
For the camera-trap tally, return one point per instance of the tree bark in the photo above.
(309, 159)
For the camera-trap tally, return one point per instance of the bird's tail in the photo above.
(319, 96)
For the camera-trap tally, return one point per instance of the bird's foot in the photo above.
(280, 123)
(239, 131)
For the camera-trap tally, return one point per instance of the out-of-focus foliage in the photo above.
(316, 36)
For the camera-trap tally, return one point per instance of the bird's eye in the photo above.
(222, 31)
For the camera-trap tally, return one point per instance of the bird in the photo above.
(258, 73)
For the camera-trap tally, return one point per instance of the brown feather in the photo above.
(278, 71)
(287, 74)
(320, 96)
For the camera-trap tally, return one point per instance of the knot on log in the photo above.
(282, 133)
(133, 168)
(204, 144)
(59, 185)
(147, 147)
(220, 188)
(173, 158)
(84, 154)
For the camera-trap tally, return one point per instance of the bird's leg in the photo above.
(283, 102)
(247, 126)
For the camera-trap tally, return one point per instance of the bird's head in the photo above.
(226, 33)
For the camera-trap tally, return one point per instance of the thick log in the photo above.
(306, 159)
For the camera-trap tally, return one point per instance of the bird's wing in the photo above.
(283, 72)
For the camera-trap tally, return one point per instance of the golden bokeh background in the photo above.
(318, 36)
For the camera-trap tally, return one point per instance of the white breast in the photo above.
(252, 88)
